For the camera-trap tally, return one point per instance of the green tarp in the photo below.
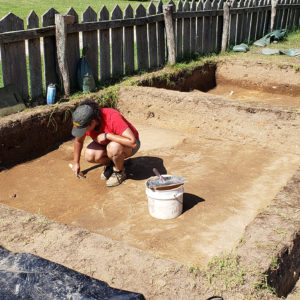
(271, 37)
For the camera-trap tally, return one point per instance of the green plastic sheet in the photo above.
(271, 37)
(241, 48)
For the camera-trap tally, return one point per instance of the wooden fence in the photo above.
(122, 42)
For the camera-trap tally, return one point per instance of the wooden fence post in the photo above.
(273, 13)
(168, 16)
(61, 42)
(225, 26)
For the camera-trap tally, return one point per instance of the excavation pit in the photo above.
(237, 156)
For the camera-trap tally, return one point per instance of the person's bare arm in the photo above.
(78, 145)
(126, 139)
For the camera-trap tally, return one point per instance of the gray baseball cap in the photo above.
(82, 118)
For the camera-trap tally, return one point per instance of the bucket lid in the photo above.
(155, 182)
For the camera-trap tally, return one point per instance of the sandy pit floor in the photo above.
(235, 92)
(228, 184)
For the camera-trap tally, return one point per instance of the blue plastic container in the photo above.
(51, 90)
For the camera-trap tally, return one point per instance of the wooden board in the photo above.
(50, 58)
(128, 42)
(13, 56)
(90, 40)
(117, 44)
(73, 53)
(34, 55)
(186, 31)
(152, 38)
(161, 43)
(141, 41)
(104, 41)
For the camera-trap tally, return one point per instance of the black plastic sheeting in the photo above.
(26, 276)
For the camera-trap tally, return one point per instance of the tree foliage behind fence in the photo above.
(115, 39)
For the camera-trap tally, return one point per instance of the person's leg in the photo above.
(117, 153)
(96, 153)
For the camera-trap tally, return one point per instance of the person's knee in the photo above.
(114, 149)
(89, 155)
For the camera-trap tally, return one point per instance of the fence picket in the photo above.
(73, 53)
(34, 53)
(214, 6)
(297, 16)
(246, 17)
(50, 56)
(239, 24)
(90, 40)
(199, 30)
(193, 28)
(259, 19)
(104, 41)
(179, 32)
(186, 31)
(206, 28)
(288, 15)
(141, 40)
(13, 56)
(284, 15)
(128, 42)
(152, 38)
(219, 26)
(233, 22)
(266, 17)
(161, 44)
(117, 44)
(292, 15)
(252, 22)
(278, 15)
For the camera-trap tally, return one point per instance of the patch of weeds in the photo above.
(26, 241)
(225, 273)
(241, 242)
(278, 231)
(261, 284)
(42, 222)
(52, 119)
(67, 114)
(194, 270)
(109, 96)
(12, 238)
(297, 68)
(28, 219)
(286, 217)
(260, 245)
(274, 263)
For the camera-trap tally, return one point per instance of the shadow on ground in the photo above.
(140, 168)
(189, 201)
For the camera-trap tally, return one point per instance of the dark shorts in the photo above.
(134, 151)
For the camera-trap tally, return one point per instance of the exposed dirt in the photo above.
(238, 155)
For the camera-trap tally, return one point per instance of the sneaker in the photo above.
(108, 170)
(116, 178)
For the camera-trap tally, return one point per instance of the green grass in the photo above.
(22, 8)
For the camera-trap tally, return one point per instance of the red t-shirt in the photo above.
(112, 121)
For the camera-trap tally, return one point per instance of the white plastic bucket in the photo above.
(165, 204)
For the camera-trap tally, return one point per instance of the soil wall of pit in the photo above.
(31, 133)
(249, 75)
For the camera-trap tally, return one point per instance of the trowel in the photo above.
(80, 174)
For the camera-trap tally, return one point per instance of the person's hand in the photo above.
(76, 168)
(101, 138)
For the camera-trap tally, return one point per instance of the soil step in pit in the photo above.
(228, 184)
(237, 81)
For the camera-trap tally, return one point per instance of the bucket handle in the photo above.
(175, 197)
